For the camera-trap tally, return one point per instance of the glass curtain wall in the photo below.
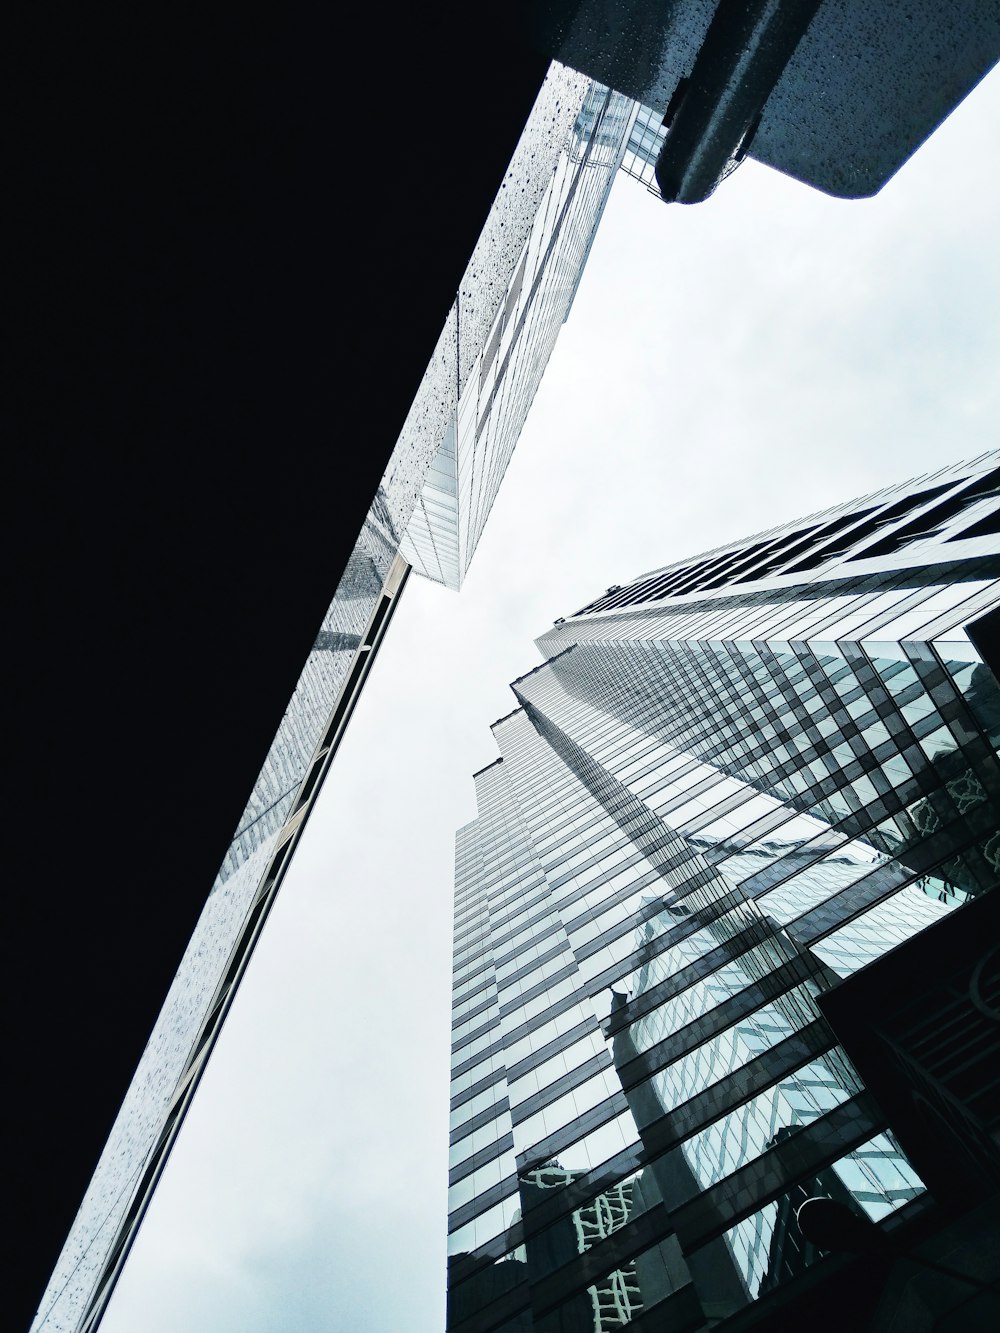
(703, 817)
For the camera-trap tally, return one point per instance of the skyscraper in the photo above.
(734, 782)
(430, 509)
(493, 352)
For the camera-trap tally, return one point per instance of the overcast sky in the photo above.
(726, 367)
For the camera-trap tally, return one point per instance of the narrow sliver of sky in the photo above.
(726, 367)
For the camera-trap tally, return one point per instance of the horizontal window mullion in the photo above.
(484, 1030)
(483, 1118)
(489, 1002)
(802, 1155)
(715, 1020)
(574, 1078)
(540, 987)
(482, 1203)
(531, 964)
(479, 1058)
(497, 1075)
(480, 1158)
(554, 927)
(551, 1048)
(593, 1265)
(537, 1021)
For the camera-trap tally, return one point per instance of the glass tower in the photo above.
(735, 781)
(501, 359)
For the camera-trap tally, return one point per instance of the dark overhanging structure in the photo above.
(836, 94)
(239, 248)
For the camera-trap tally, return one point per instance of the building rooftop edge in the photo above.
(548, 661)
(507, 716)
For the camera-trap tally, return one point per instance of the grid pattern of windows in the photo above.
(506, 369)
(703, 817)
(513, 297)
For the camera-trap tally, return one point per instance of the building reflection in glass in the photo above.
(731, 785)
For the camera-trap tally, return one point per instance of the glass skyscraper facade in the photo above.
(430, 509)
(734, 781)
(501, 362)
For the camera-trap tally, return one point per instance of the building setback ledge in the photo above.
(548, 662)
(506, 717)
